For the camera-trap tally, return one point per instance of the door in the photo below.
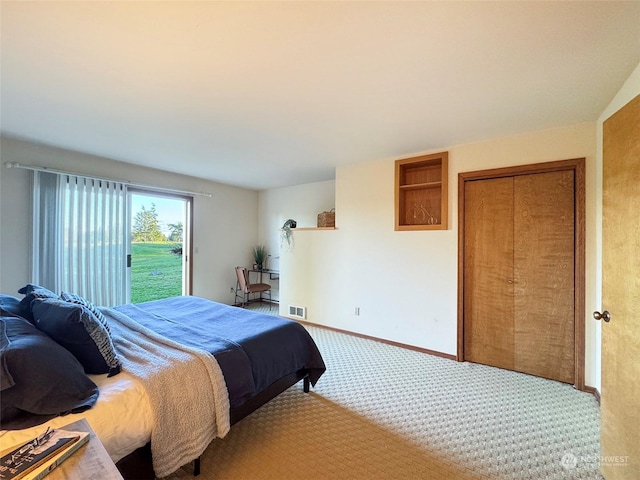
(519, 273)
(488, 273)
(159, 245)
(620, 396)
(543, 275)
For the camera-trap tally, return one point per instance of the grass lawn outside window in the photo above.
(156, 272)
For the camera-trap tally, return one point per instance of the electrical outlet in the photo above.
(356, 312)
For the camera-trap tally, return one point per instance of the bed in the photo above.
(258, 357)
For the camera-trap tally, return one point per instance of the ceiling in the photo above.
(270, 94)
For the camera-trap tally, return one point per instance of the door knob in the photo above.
(606, 316)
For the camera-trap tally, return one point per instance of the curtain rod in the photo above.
(126, 182)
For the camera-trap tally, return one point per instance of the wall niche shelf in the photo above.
(421, 192)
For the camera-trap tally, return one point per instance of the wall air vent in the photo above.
(297, 312)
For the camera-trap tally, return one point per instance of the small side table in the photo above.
(91, 461)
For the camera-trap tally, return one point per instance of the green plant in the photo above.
(260, 255)
(286, 235)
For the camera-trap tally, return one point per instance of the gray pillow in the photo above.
(79, 331)
(39, 379)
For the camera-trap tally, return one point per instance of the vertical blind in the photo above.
(80, 236)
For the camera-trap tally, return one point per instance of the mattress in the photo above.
(122, 417)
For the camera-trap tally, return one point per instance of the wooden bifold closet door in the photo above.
(519, 273)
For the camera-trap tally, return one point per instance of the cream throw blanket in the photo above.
(185, 386)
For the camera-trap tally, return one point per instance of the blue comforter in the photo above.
(253, 350)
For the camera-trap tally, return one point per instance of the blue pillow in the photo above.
(79, 331)
(10, 306)
(31, 292)
(39, 379)
(78, 300)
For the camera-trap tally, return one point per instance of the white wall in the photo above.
(629, 91)
(405, 283)
(301, 203)
(225, 225)
(1, 217)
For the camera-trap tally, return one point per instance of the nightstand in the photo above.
(91, 461)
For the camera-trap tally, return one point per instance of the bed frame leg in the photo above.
(306, 384)
(196, 467)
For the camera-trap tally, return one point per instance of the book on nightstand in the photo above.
(36, 458)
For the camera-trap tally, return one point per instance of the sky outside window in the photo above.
(170, 210)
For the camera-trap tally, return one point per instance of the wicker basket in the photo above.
(327, 219)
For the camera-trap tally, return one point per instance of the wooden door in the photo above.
(488, 275)
(620, 396)
(519, 273)
(543, 275)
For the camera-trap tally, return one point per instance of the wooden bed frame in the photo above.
(138, 464)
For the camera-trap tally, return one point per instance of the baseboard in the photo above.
(377, 339)
(594, 391)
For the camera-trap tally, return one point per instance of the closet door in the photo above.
(543, 275)
(488, 274)
(519, 273)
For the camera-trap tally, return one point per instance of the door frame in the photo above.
(577, 165)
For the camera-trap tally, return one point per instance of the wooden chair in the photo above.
(244, 288)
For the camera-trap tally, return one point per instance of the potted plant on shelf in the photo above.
(259, 256)
(286, 235)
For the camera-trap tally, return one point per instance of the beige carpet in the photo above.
(383, 412)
